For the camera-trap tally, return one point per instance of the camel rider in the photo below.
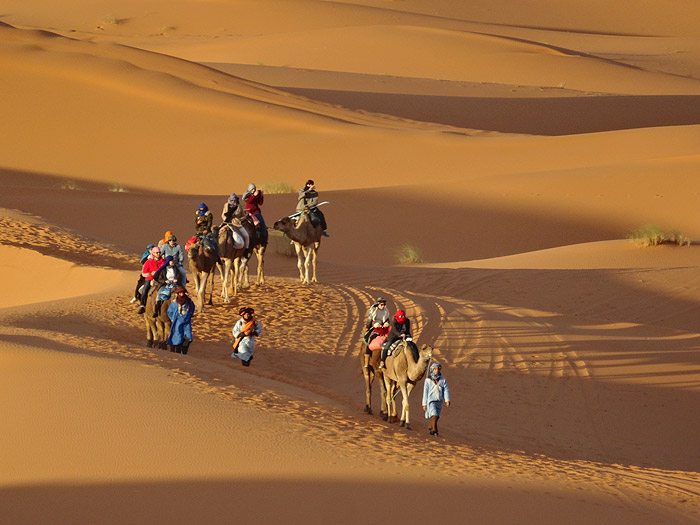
(203, 222)
(164, 240)
(171, 247)
(168, 277)
(150, 267)
(253, 198)
(232, 214)
(146, 255)
(308, 198)
(377, 321)
(377, 324)
(400, 330)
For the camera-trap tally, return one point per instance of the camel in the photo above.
(307, 239)
(202, 257)
(404, 370)
(158, 328)
(230, 258)
(236, 259)
(370, 370)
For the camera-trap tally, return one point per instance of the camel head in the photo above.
(285, 224)
(426, 352)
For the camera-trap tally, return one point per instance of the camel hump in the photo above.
(414, 349)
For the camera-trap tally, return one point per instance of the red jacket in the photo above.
(151, 265)
(253, 202)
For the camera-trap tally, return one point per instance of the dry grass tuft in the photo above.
(408, 254)
(651, 235)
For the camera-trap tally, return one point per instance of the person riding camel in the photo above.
(150, 267)
(400, 330)
(253, 198)
(377, 325)
(232, 215)
(171, 247)
(203, 220)
(168, 277)
(146, 255)
(308, 199)
(164, 240)
(203, 223)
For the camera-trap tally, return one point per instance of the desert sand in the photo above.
(514, 145)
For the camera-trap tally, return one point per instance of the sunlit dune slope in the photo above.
(417, 52)
(49, 279)
(113, 114)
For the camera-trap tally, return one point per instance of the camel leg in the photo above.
(300, 260)
(211, 290)
(234, 279)
(309, 252)
(197, 279)
(391, 407)
(368, 374)
(260, 254)
(149, 335)
(383, 411)
(162, 336)
(243, 272)
(405, 393)
(225, 271)
(314, 252)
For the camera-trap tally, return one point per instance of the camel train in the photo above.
(234, 260)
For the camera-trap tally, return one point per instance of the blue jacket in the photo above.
(181, 317)
(434, 393)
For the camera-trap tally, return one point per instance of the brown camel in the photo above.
(157, 328)
(307, 239)
(404, 370)
(370, 370)
(202, 255)
(230, 258)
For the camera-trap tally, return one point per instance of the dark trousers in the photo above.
(144, 295)
(318, 214)
(141, 280)
(262, 228)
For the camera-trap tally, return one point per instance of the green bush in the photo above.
(277, 187)
(408, 254)
(69, 185)
(651, 235)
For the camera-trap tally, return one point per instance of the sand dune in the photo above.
(514, 145)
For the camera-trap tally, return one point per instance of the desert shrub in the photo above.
(279, 243)
(651, 235)
(117, 187)
(408, 254)
(69, 185)
(109, 19)
(277, 187)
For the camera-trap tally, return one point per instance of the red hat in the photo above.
(400, 316)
